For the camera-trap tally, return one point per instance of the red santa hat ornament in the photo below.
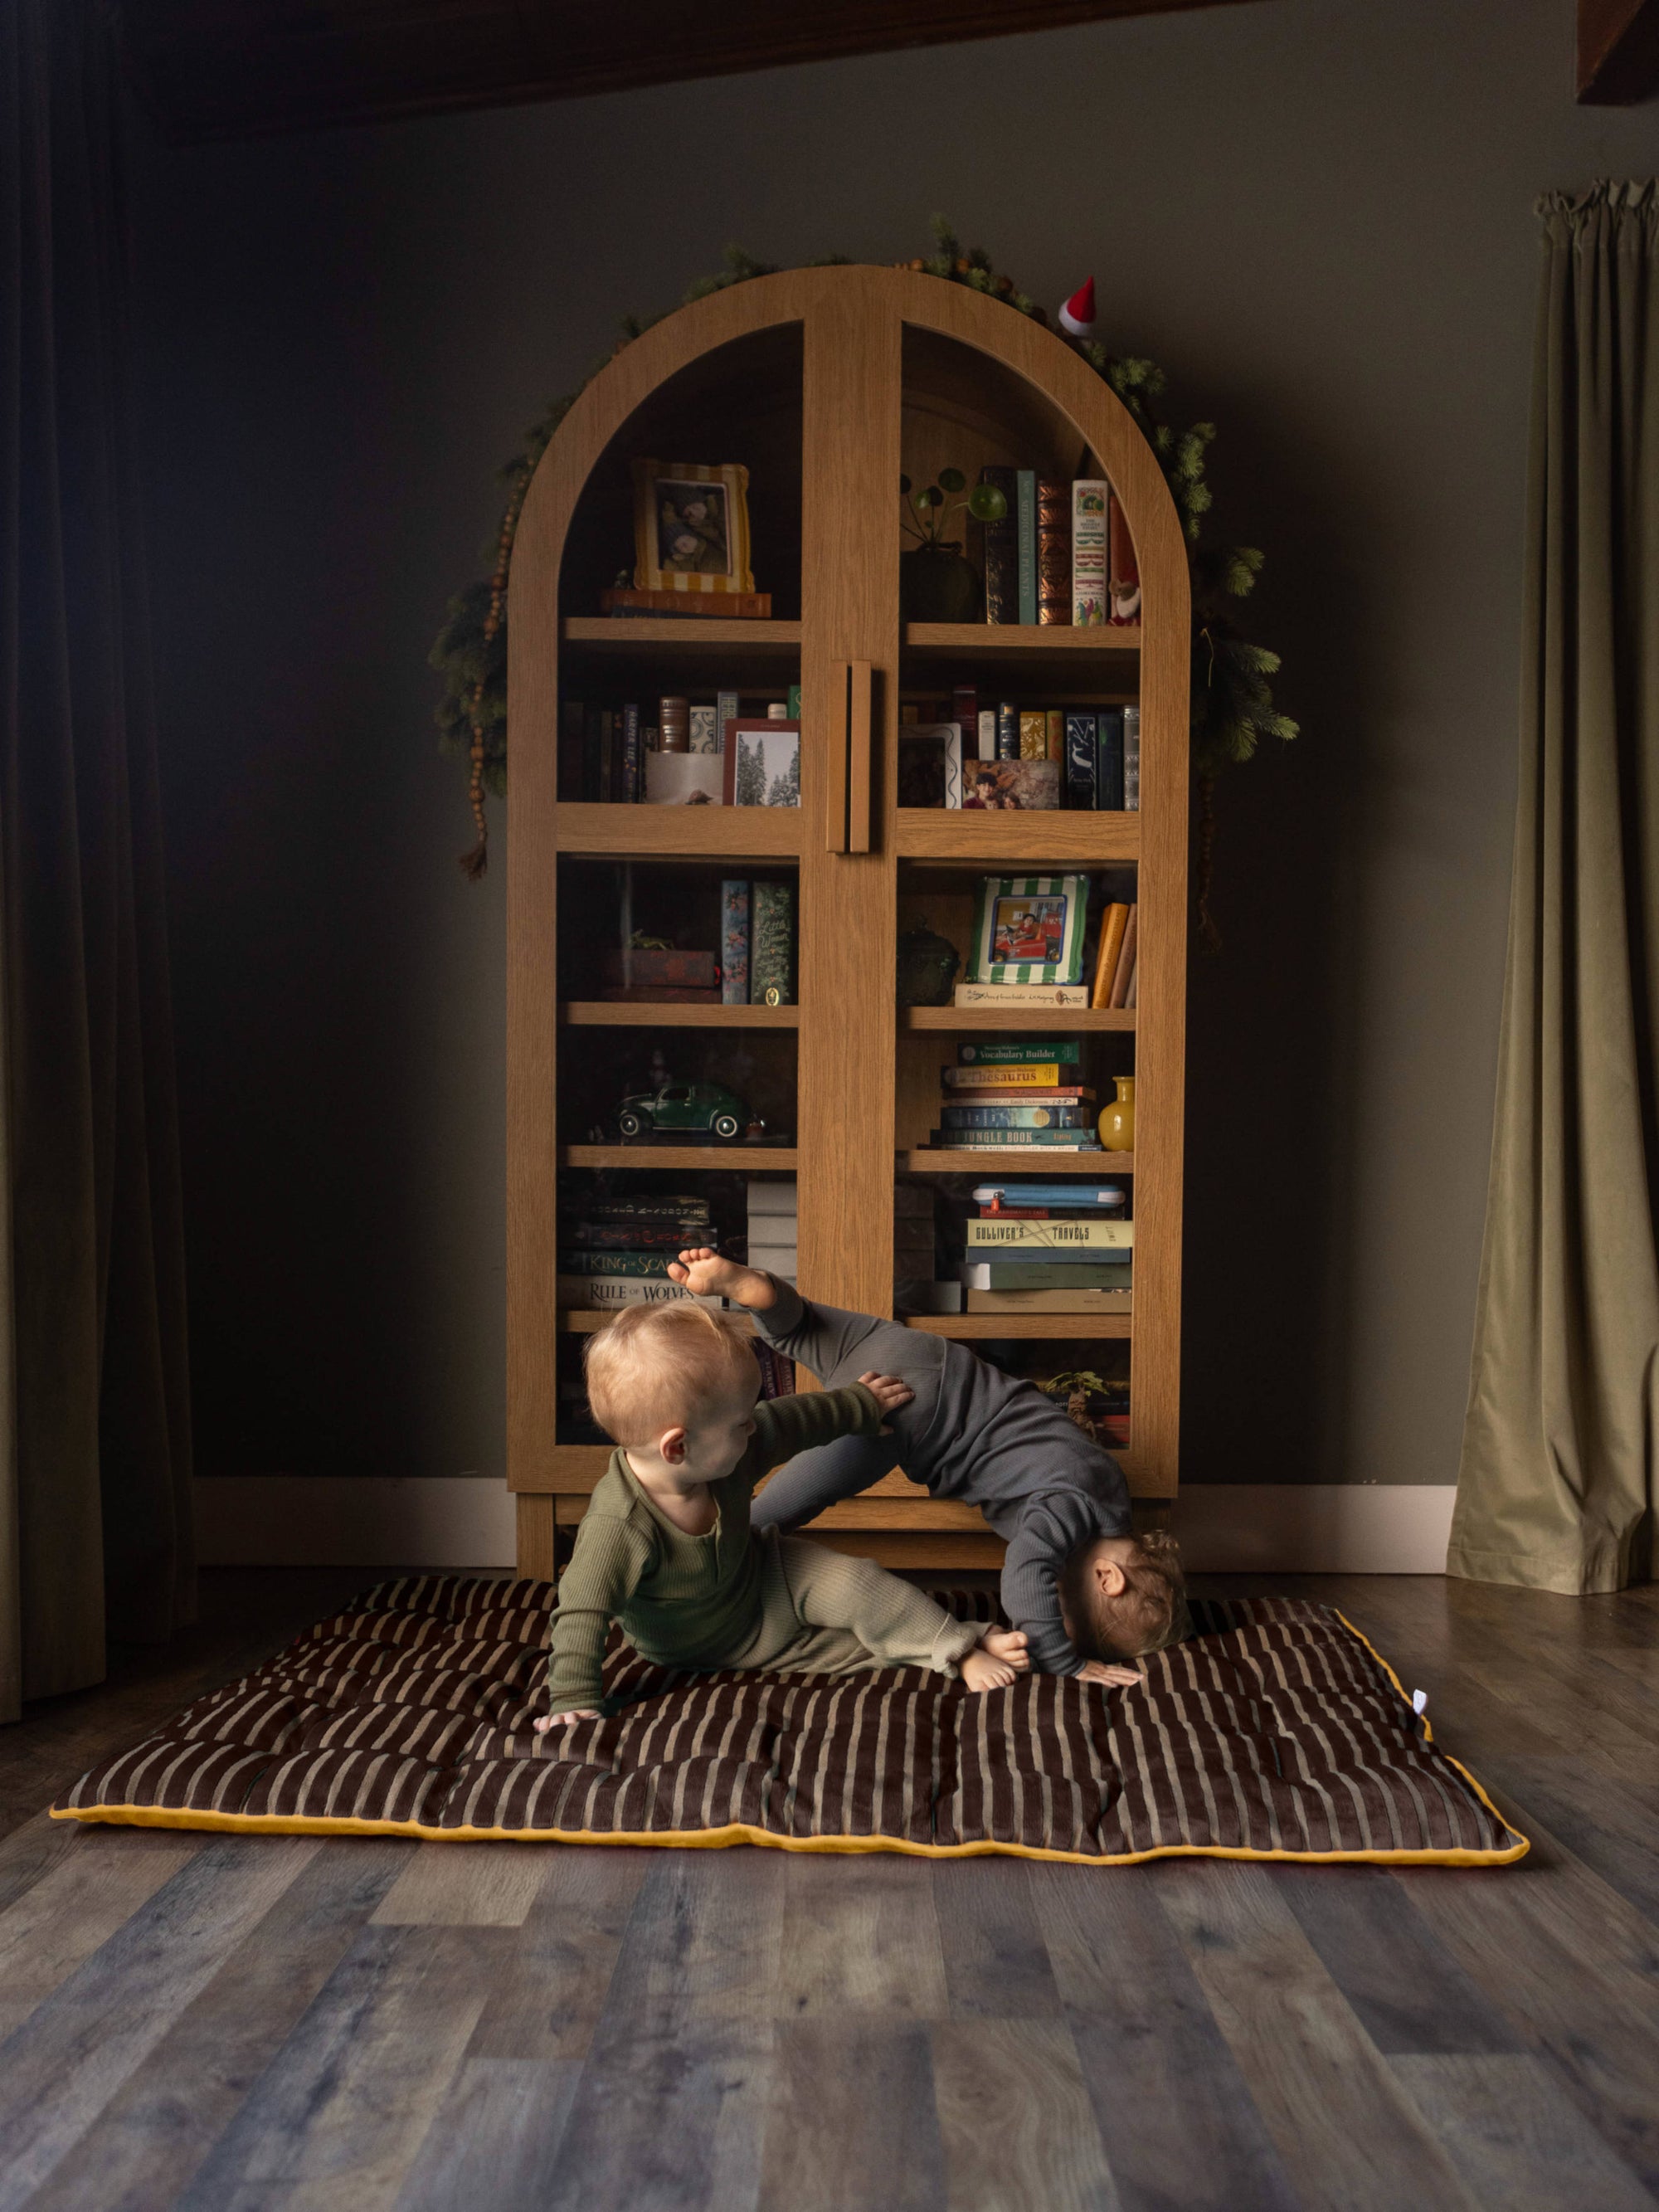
(1077, 317)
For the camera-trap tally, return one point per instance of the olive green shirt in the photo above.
(683, 1600)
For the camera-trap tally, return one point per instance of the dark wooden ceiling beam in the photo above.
(1618, 52)
(233, 68)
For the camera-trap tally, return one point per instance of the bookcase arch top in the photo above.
(987, 325)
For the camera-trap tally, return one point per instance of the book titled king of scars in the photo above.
(1029, 929)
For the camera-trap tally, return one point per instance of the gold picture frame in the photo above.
(691, 528)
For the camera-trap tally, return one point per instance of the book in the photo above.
(1131, 759)
(967, 1140)
(1008, 731)
(1078, 1301)
(632, 757)
(1055, 725)
(1020, 995)
(1026, 1074)
(792, 704)
(1081, 761)
(1062, 1052)
(772, 945)
(761, 763)
(964, 713)
(729, 606)
(1079, 1116)
(1025, 545)
(1029, 1236)
(734, 942)
(606, 748)
(1001, 552)
(1113, 923)
(727, 707)
(643, 1265)
(596, 1293)
(1125, 573)
(988, 733)
(1033, 734)
(1134, 982)
(930, 764)
(635, 1237)
(1092, 499)
(1050, 1273)
(1125, 961)
(1108, 792)
(1068, 1193)
(681, 1208)
(1053, 552)
(572, 725)
(660, 965)
(705, 730)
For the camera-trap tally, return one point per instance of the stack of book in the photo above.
(1049, 1248)
(681, 751)
(775, 1226)
(1117, 965)
(1062, 553)
(1017, 1095)
(615, 1251)
(1018, 759)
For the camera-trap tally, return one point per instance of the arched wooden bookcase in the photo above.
(828, 382)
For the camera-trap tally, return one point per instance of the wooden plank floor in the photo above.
(277, 2025)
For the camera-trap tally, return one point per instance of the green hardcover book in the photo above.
(772, 945)
(1068, 1053)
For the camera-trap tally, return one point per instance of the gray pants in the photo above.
(838, 1347)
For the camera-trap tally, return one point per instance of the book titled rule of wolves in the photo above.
(591, 1293)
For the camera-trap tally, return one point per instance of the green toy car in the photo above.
(684, 1106)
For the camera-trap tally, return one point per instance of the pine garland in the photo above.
(1232, 706)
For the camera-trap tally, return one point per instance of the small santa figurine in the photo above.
(1077, 317)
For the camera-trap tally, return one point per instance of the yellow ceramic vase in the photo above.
(1117, 1121)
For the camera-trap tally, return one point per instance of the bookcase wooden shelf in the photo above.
(827, 384)
(640, 1014)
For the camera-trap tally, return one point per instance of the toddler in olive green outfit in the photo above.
(666, 1549)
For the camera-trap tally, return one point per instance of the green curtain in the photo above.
(1556, 1490)
(94, 1418)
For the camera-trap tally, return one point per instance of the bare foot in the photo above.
(706, 1275)
(1007, 1643)
(1109, 1675)
(980, 1672)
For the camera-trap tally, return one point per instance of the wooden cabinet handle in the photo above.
(860, 721)
(835, 797)
(848, 805)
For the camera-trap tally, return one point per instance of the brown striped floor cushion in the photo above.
(1273, 1732)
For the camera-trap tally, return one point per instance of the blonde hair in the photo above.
(657, 1367)
(1150, 1611)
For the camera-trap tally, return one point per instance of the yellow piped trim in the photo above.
(693, 1839)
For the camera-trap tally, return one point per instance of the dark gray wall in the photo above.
(1316, 213)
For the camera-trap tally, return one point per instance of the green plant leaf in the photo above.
(986, 504)
(904, 487)
(953, 479)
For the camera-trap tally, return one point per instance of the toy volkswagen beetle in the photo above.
(709, 1106)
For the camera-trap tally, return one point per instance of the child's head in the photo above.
(1123, 1596)
(675, 1380)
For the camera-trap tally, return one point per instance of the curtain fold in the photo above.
(94, 1422)
(1556, 1488)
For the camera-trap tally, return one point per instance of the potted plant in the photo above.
(936, 581)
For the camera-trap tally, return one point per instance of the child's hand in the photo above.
(561, 1720)
(889, 1392)
(1109, 1677)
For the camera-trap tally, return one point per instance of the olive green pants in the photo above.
(822, 1613)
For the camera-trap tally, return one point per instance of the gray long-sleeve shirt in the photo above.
(972, 1432)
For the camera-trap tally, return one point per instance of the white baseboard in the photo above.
(467, 1521)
